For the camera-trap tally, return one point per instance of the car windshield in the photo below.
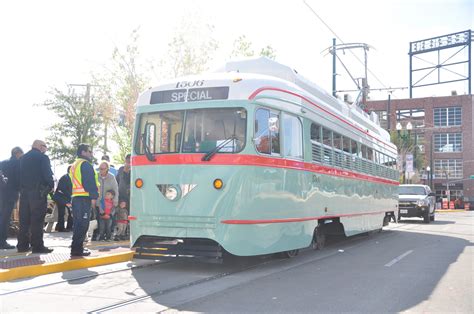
(193, 131)
(411, 190)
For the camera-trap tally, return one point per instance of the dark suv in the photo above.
(416, 200)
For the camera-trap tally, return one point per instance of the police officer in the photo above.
(36, 181)
(84, 196)
(10, 193)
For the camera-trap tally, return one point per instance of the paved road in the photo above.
(410, 266)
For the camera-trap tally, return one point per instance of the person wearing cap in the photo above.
(9, 194)
(36, 182)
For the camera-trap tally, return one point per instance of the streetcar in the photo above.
(254, 159)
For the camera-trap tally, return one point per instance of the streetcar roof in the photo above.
(242, 79)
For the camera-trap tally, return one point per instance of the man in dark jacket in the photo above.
(84, 196)
(9, 194)
(123, 179)
(62, 197)
(36, 181)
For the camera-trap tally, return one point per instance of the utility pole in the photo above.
(362, 86)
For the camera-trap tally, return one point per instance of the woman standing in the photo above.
(107, 182)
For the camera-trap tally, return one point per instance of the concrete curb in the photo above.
(72, 264)
(451, 210)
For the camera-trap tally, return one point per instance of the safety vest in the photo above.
(76, 178)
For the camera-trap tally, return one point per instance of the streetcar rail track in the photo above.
(358, 239)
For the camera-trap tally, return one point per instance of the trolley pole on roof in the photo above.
(334, 67)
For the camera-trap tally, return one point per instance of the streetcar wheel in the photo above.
(319, 238)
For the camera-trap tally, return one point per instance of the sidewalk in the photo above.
(14, 265)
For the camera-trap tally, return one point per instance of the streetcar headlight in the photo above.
(171, 193)
(139, 183)
(218, 184)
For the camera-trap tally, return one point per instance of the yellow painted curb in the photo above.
(77, 263)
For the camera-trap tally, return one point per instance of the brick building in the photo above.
(443, 128)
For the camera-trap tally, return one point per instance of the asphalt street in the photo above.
(410, 266)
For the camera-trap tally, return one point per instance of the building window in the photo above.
(448, 142)
(448, 169)
(450, 116)
(415, 116)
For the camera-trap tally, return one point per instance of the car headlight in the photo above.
(422, 202)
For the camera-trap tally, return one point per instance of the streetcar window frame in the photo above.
(274, 143)
(175, 147)
(299, 136)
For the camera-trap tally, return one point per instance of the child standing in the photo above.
(105, 218)
(122, 221)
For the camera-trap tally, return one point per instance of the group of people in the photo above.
(100, 197)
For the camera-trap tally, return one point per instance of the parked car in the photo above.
(416, 200)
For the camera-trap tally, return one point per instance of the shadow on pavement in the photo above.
(357, 280)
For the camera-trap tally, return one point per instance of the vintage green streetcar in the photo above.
(254, 159)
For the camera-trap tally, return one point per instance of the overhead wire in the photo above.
(339, 38)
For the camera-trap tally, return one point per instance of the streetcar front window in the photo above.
(206, 129)
(163, 132)
(192, 131)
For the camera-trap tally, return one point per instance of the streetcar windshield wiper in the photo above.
(209, 155)
(146, 148)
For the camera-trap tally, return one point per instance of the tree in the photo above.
(190, 50)
(243, 48)
(121, 83)
(79, 123)
(406, 145)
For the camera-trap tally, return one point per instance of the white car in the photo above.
(416, 200)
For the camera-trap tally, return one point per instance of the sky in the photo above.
(49, 44)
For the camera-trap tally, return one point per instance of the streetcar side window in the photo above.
(267, 132)
(327, 146)
(292, 137)
(316, 140)
(346, 147)
(338, 157)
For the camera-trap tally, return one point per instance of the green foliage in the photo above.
(121, 83)
(78, 123)
(190, 51)
(268, 52)
(243, 48)
(406, 145)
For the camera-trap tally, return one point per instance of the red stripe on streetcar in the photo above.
(258, 91)
(254, 160)
(284, 220)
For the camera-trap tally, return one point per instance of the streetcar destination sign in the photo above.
(189, 95)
